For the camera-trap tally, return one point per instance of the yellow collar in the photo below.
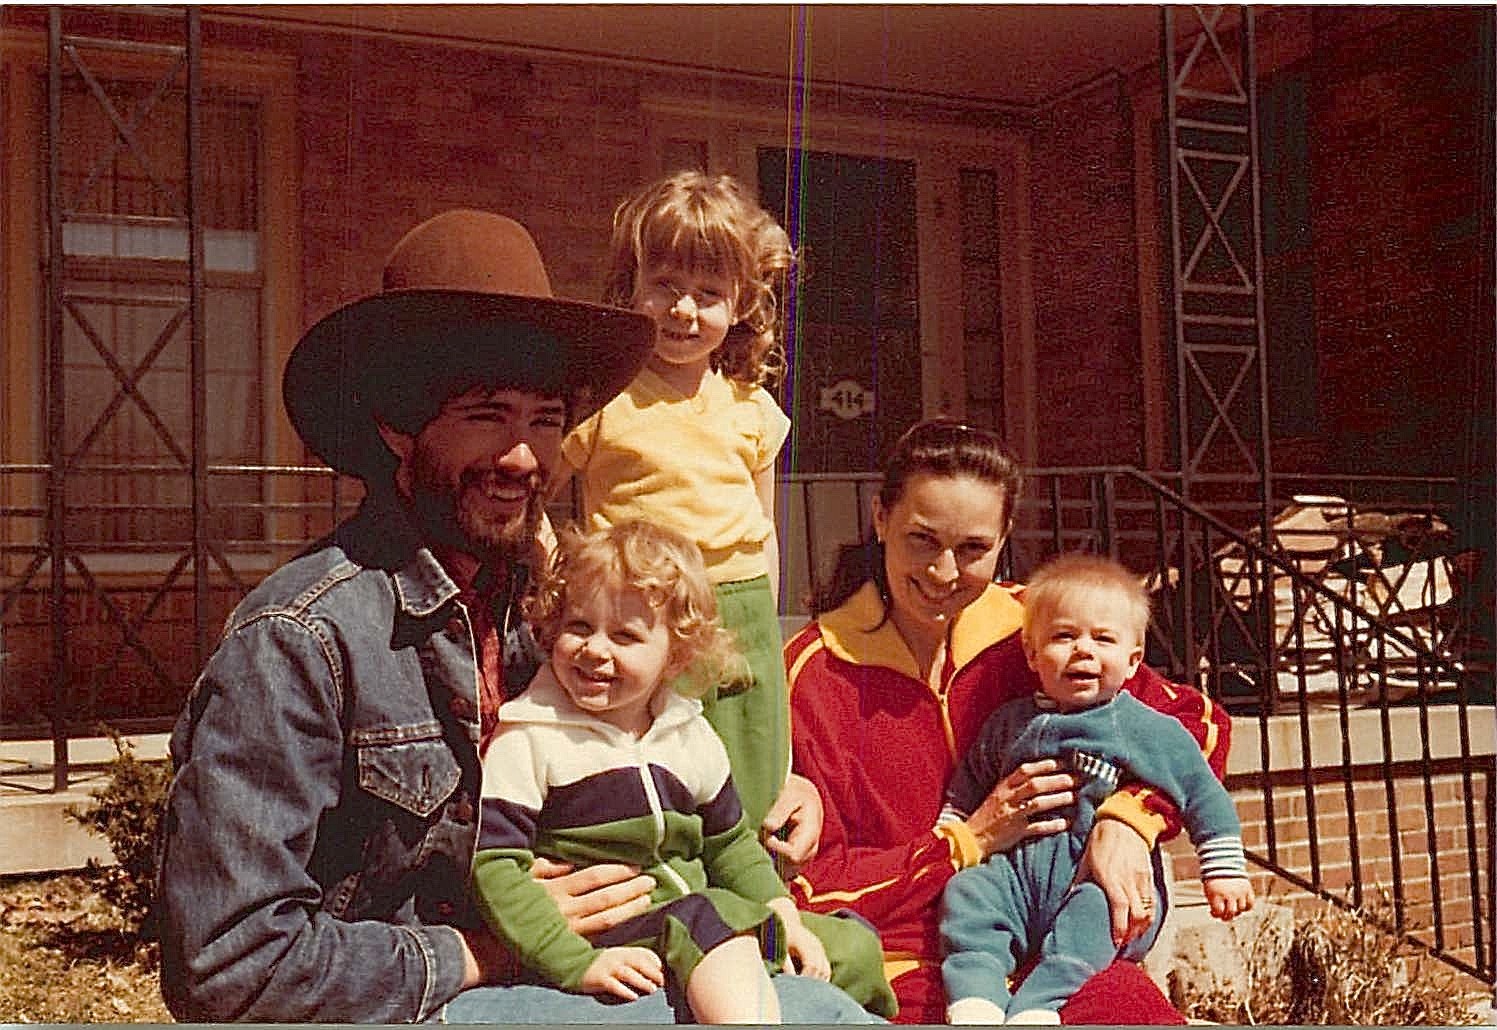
(857, 632)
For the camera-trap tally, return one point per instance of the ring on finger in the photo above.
(1024, 806)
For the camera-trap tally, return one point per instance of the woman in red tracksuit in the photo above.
(913, 646)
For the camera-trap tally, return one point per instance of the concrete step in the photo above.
(36, 834)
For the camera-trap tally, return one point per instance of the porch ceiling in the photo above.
(1010, 54)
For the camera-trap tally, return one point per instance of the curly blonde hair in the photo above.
(695, 220)
(662, 565)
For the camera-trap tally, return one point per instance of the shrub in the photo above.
(127, 813)
(1341, 966)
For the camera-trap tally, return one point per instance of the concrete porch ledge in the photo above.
(36, 834)
(1286, 748)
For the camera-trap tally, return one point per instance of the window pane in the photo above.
(102, 177)
(224, 250)
(236, 401)
(982, 309)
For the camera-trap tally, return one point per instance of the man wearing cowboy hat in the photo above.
(324, 810)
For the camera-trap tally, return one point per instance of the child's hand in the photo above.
(807, 956)
(1229, 897)
(627, 973)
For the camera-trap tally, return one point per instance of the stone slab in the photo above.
(37, 836)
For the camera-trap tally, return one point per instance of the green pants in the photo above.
(752, 716)
(857, 958)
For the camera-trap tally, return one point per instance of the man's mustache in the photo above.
(494, 480)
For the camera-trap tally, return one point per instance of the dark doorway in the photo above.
(853, 346)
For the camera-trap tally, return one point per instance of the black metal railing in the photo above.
(132, 609)
(1338, 640)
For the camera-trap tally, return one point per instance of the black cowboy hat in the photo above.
(464, 284)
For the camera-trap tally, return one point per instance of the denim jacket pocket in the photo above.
(416, 775)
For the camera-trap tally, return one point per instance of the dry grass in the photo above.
(69, 956)
(1339, 967)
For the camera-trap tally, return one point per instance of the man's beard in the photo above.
(450, 516)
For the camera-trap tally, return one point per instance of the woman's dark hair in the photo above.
(936, 447)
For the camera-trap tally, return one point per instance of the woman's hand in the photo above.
(627, 973)
(596, 898)
(1117, 860)
(1007, 815)
(798, 809)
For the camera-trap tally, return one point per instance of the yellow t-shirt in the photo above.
(684, 462)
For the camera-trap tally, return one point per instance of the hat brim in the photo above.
(599, 350)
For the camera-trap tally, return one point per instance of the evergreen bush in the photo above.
(127, 813)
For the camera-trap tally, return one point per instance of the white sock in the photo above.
(1035, 1017)
(974, 1012)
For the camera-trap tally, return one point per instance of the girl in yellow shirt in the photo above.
(691, 444)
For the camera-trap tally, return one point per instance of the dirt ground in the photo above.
(67, 956)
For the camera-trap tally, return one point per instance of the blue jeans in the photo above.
(802, 1000)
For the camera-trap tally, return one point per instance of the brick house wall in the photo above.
(1393, 202)
(1086, 297)
(555, 144)
(1400, 364)
(391, 131)
(117, 677)
(1396, 179)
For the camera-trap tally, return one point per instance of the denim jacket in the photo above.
(322, 821)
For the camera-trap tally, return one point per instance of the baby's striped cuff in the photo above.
(1222, 857)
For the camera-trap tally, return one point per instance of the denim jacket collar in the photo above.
(422, 585)
(382, 535)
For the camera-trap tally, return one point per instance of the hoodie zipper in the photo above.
(657, 811)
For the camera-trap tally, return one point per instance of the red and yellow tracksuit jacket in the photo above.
(881, 745)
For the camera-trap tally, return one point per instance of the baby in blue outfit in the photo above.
(1084, 624)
